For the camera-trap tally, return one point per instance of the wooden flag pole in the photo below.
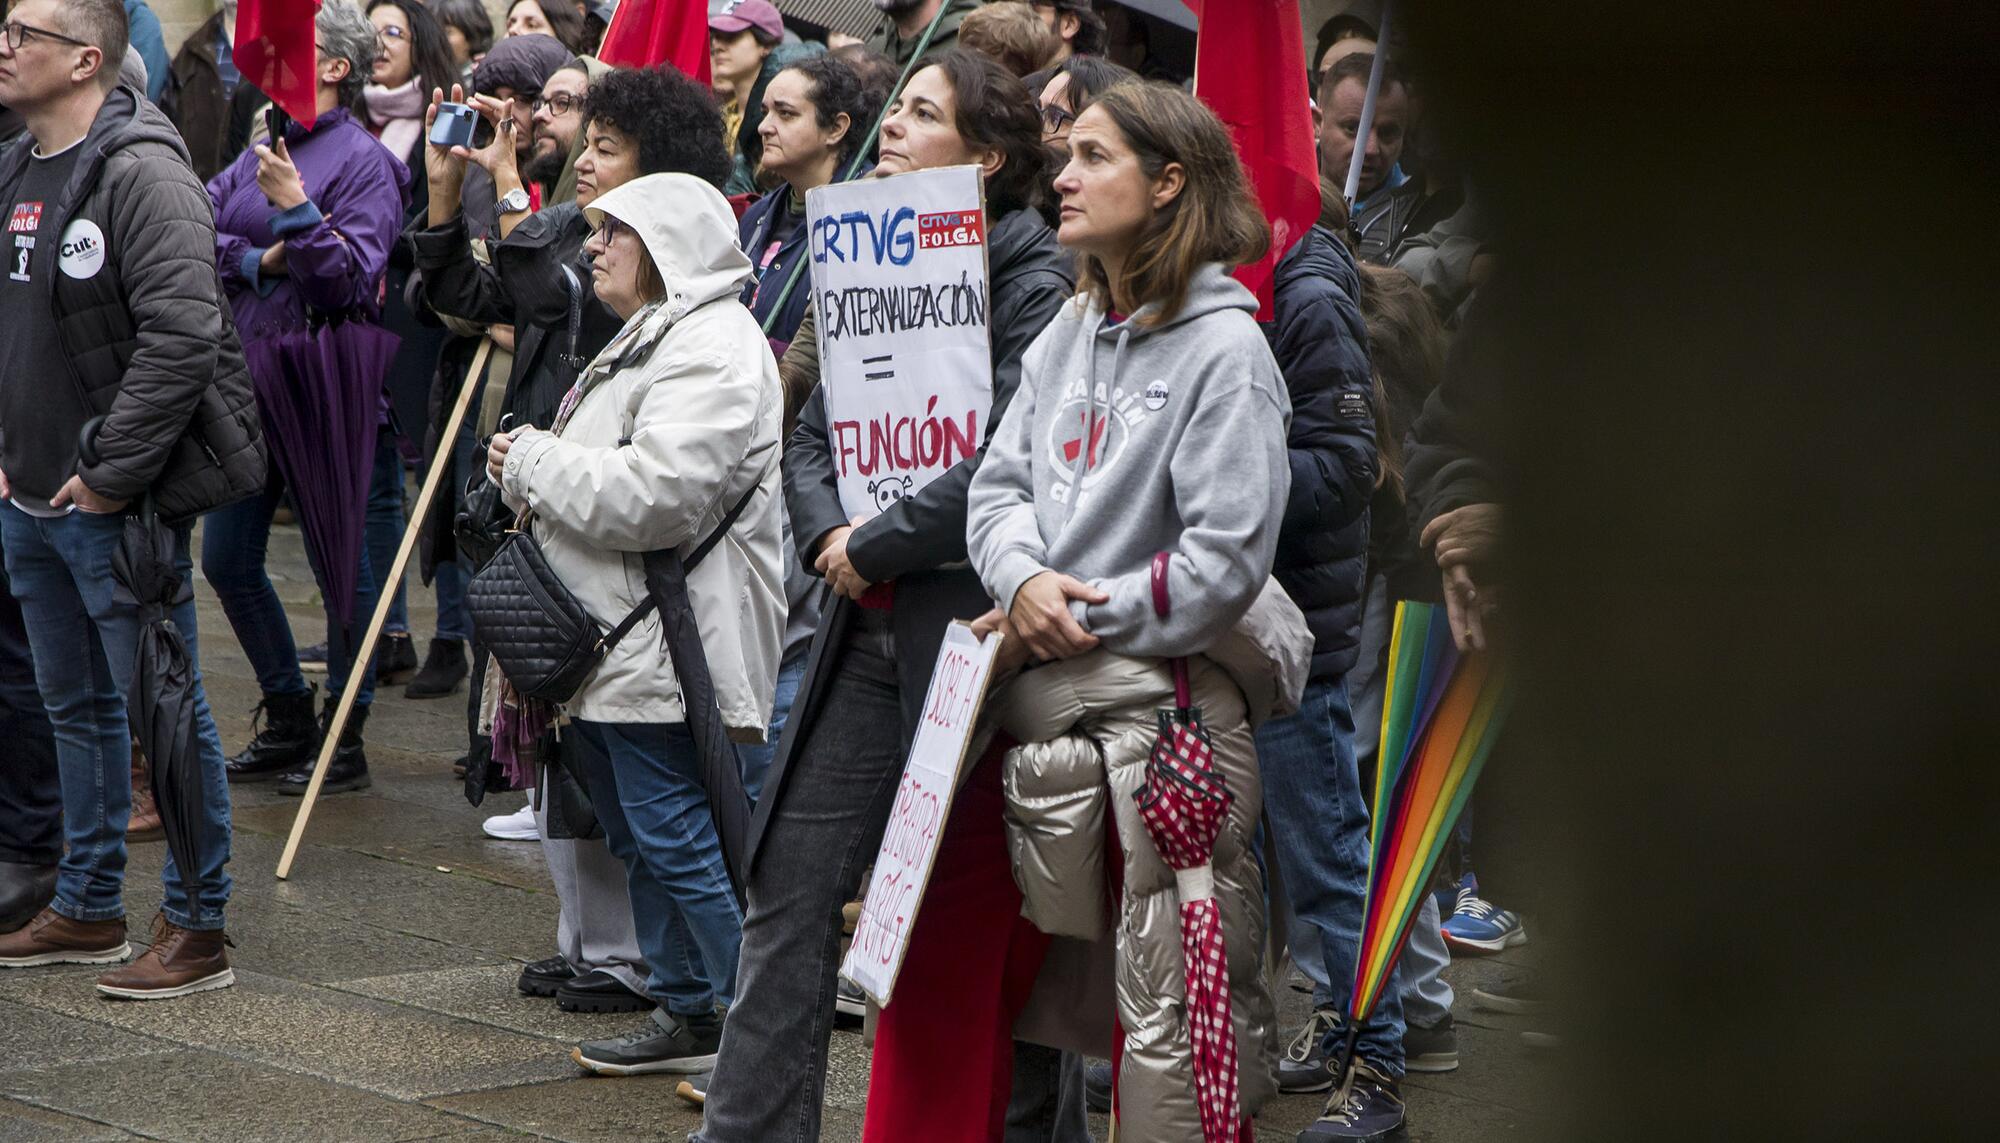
(385, 598)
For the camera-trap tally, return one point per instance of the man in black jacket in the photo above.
(1313, 796)
(112, 313)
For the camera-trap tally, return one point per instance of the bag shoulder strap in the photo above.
(701, 550)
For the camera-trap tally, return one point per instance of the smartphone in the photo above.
(454, 125)
(276, 123)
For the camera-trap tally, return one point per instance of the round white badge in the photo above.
(1156, 396)
(82, 252)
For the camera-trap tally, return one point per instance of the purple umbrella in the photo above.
(320, 393)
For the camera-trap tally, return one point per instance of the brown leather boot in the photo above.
(181, 961)
(52, 938)
(145, 824)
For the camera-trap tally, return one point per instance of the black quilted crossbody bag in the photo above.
(543, 639)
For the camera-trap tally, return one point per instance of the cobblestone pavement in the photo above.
(376, 997)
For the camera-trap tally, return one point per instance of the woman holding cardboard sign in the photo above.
(824, 806)
(1150, 420)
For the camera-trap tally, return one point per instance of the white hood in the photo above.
(689, 229)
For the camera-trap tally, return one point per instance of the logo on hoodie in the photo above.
(1089, 433)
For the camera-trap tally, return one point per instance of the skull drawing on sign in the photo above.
(890, 489)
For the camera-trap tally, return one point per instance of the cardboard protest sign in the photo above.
(899, 279)
(923, 804)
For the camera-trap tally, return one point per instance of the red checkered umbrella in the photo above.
(1183, 802)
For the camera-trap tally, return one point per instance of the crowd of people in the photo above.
(617, 268)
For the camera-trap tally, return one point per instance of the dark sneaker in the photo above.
(694, 1089)
(287, 739)
(598, 991)
(1431, 1049)
(312, 660)
(180, 962)
(444, 668)
(849, 1000)
(684, 1045)
(395, 659)
(543, 977)
(349, 768)
(1372, 1110)
(1515, 995)
(1097, 1081)
(1303, 1068)
(51, 938)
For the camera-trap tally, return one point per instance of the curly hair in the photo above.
(672, 118)
(837, 91)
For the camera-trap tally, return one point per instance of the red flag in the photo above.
(1250, 68)
(648, 32)
(274, 51)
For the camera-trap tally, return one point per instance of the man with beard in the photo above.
(903, 23)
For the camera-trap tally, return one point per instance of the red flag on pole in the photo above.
(1250, 68)
(274, 51)
(644, 33)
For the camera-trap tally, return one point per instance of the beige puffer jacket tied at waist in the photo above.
(1087, 725)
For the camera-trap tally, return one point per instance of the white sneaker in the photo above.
(517, 826)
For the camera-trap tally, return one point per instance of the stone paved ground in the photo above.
(376, 997)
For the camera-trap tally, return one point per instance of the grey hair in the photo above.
(346, 34)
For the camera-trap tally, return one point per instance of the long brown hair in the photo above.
(1406, 346)
(1213, 219)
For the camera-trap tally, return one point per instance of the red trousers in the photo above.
(944, 1047)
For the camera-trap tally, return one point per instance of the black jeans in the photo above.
(770, 1079)
(30, 790)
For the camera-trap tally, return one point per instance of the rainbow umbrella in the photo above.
(1441, 713)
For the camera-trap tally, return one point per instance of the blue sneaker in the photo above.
(1372, 1110)
(1476, 926)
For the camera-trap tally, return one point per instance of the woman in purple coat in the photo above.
(303, 230)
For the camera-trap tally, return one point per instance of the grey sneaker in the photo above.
(1431, 1049)
(669, 1042)
(849, 1000)
(1304, 1067)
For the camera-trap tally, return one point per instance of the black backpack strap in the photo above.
(695, 557)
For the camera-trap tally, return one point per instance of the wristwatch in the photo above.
(514, 201)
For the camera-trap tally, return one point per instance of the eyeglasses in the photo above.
(18, 33)
(561, 103)
(1054, 116)
(392, 32)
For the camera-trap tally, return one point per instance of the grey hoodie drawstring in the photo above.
(1085, 443)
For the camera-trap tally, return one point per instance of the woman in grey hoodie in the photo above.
(1150, 418)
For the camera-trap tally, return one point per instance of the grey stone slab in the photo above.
(24, 1123)
(35, 1039)
(486, 995)
(847, 1069)
(384, 1048)
(586, 1109)
(202, 1096)
(418, 836)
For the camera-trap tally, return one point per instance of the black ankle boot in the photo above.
(288, 739)
(444, 669)
(349, 768)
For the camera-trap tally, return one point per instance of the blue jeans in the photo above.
(646, 787)
(383, 528)
(756, 760)
(1319, 824)
(234, 541)
(84, 641)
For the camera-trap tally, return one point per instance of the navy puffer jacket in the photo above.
(1321, 344)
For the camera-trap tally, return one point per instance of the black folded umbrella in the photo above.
(161, 700)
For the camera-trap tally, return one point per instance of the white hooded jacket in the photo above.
(678, 421)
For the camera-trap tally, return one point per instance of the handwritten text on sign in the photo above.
(899, 279)
(923, 803)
